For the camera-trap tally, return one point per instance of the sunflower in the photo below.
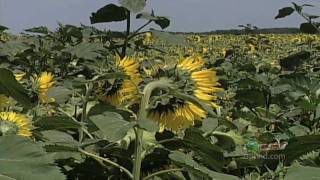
(45, 81)
(117, 91)
(192, 78)
(12, 123)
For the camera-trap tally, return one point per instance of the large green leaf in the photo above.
(12, 48)
(59, 93)
(302, 172)
(10, 87)
(3, 28)
(21, 158)
(133, 5)
(210, 154)
(61, 145)
(298, 146)
(111, 125)
(163, 22)
(86, 50)
(56, 123)
(309, 28)
(40, 29)
(109, 13)
(196, 169)
(286, 11)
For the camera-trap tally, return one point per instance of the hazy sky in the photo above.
(185, 15)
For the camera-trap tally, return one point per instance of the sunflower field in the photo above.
(80, 103)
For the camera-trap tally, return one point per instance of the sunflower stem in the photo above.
(126, 40)
(149, 88)
(89, 87)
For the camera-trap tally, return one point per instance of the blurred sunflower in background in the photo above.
(12, 123)
(148, 39)
(44, 83)
(118, 91)
(191, 77)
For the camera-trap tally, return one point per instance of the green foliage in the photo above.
(9, 86)
(196, 169)
(109, 13)
(20, 158)
(302, 172)
(286, 11)
(311, 26)
(133, 5)
(111, 125)
(268, 119)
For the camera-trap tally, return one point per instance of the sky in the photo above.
(185, 15)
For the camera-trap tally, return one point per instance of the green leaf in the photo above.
(196, 169)
(56, 123)
(251, 97)
(40, 29)
(297, 7)
(309, 28)
(60, 94)
(57, 141)
(3, 28)
(305, 104)
(298, 146)
(112, 125)
(294, 60)
(86, 50)
(286, 11)
(279, 89)
(163, 22)
(299, 130)
(11, 87)
(12, 48)
(174, 39)
(210, 154)
(133, 5)
(229, 139)
(302, 172)
(148, 125)
(209, 124)
(109, 13)
(21, 158)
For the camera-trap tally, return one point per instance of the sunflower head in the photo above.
(118, 91)
(190, 77)
(14, 124)
(45, 82)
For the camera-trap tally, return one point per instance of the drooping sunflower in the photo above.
(117, 91)
(45, 81)
(12, 123)
(191, 77)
